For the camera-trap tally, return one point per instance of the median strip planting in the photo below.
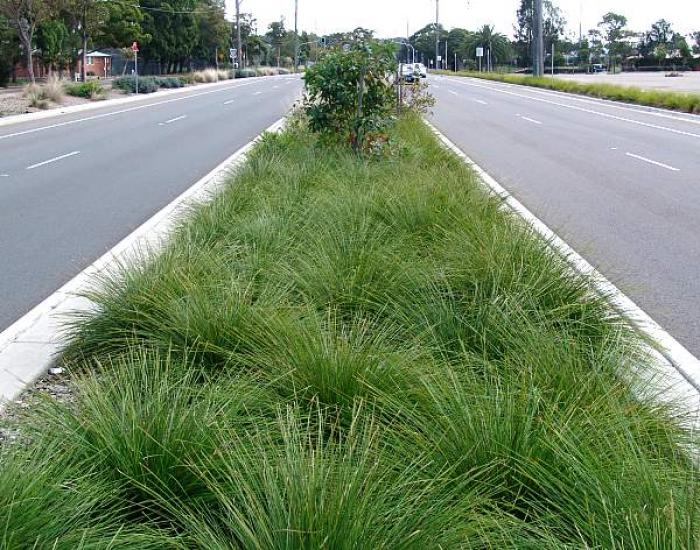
(352, 346)
(688, 103)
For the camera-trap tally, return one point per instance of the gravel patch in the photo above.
(54, 387)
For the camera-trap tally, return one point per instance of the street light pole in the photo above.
(296, 36)
(239, 42)
(537, 41)
(437, 32)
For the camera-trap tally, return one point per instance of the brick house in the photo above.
(97, 64)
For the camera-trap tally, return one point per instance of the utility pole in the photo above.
(537, 41)
(296, 35)
(437, 32)
(239, 57)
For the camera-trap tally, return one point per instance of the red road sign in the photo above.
(135, 47)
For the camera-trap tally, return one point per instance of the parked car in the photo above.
(421, 70)
(407, 72)
(598, 68)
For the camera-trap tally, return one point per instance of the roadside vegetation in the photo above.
(688, 103)
(351, 346)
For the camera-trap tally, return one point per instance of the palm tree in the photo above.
(494, 42)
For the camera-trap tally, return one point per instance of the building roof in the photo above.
(98, 54)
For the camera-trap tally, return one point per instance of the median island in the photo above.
(351, 346)
(677, 101)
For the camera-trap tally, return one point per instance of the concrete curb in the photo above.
(60, 111)
(31, 345)
(678, 368)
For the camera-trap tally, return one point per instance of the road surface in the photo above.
(73, 186)
(619, 183)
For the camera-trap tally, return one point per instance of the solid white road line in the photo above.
(679, 370)
(655, 163)
(121, 111)
(55, 159)
(530, 120)
(181, 117)
(651, 111)
(31, 344)
(584, 110)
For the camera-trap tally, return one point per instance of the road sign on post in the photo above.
(480, 52)
(233, 53)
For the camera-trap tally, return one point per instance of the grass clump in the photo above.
(344, 351)
(685, 102)
(42, 95)
(91, 89)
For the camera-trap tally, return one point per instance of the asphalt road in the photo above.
(619, 183)
(73, 186)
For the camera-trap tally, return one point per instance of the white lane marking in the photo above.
(453, 92)
(655, 163)
(435, 86)
(55, 159)
(229, 102)
(530, 119)
(613, 148)
(257, 93)
(605, 103)
(4, 175)
(681, 378)
(479, 101)
(583, 110)
(121, 111)
(172, 120)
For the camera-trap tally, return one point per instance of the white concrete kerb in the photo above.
(679, 368)
(134, 98)
(31, 345)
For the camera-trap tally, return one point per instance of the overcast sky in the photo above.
(390, 17)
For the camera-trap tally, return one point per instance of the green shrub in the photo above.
(349, 99)
(147, 84)
(246, 73)
(91, 89)
(170, 82)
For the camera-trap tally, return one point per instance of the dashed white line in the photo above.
(257, 93)
(655, 163)
(121, 111)
(172, 120)
(229, 102)
(584, 110)
(4, 175)
(453, 92)
(55, 159)
(530, 120)
(479, 101)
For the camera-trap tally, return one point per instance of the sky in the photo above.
(389, 18)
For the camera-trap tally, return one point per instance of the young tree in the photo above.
(495, 43)
(613, 31)
(552, 29)
(26, 16)
(9, 50)
(696, 36)
(53, 39)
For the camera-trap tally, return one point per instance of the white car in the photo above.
(407, 72)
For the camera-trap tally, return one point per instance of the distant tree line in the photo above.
(172, 35)
(611, 43)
